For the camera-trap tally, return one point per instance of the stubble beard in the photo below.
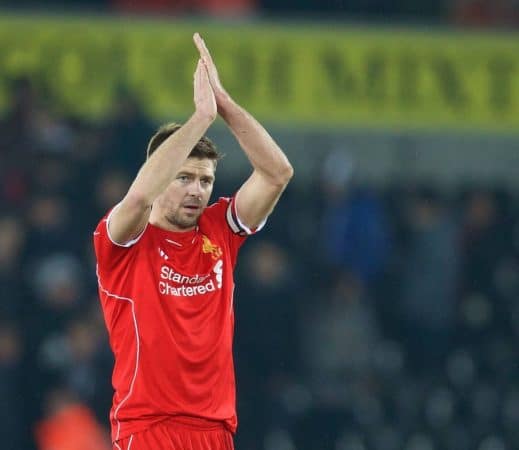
(176, 219)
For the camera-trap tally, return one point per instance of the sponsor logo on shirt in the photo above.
(179, 285)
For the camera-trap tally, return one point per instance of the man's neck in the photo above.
(158, 219)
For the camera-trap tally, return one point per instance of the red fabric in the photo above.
(227, 6)
(176, 6)
(168, 306)
(180, 433)
(484, 13)
(151, 6)
(72, 428)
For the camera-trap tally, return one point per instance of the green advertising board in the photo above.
(304, 75)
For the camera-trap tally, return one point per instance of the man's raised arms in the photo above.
(131, 215)
(259, 194)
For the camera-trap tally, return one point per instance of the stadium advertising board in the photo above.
(299, 74)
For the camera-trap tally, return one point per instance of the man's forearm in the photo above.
(264, 154)
(160, 169)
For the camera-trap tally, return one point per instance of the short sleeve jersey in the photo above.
(167, 300)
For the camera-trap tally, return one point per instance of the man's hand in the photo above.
(259, 194)
(221, 95)
(204, 98)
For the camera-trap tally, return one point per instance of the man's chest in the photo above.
(199, 269)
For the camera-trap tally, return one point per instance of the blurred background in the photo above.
(378, 310)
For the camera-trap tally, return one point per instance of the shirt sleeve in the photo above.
(108, 252)
(234, 230)
(235, 223)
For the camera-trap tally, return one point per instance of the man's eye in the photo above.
(183, 178)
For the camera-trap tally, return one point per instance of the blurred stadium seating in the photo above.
(379, 310)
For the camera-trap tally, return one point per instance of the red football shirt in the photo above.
(167, 299)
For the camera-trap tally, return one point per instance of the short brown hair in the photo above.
(205, 148)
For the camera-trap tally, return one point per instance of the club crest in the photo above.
(209, 247)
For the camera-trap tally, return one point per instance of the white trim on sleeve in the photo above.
(237, 226)
(127, 244)
(230, 220)
(247, 229)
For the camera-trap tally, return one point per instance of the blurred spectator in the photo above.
(57, 282)
(340, 334)
(270, 298)
(13, 429)
(52, 174)
(151, 6)
(485, 241)
(485, 13)
(69, 424)
(18, 122)
(78, 360)
(429, 10)
(127, 135)
(81, 355)
(232, 8)
(12, 251)
(57, 291)
(17, 142)
(227, 8)
(266, 336)
(110, 189)
(430, 279)
(51, 133)
(28, 127)
(49, 219)
(354, 227)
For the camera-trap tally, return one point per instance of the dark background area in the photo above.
(478, 13)
(370, 314)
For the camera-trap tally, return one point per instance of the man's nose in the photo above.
(195, 188)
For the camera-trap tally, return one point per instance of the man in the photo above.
(165, 264)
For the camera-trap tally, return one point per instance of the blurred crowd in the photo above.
(474, 13)
(366, 318)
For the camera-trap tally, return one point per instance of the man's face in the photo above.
(186, 197)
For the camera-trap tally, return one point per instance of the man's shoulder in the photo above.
(214, 219)
(222, 202)
(217, 209)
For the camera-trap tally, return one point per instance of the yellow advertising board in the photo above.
(303, 75)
